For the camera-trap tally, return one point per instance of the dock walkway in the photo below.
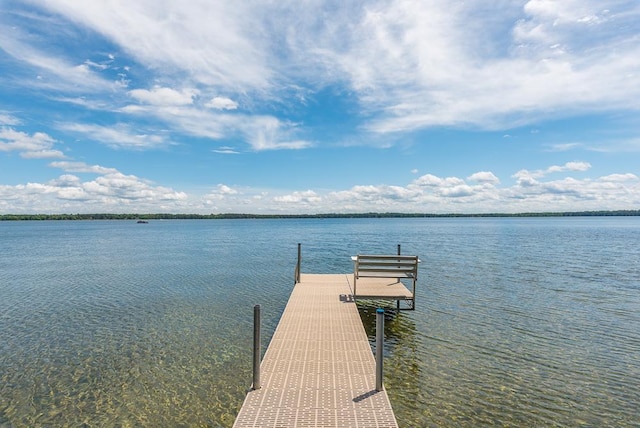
(318, 370)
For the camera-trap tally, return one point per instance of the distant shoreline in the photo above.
(164, 216)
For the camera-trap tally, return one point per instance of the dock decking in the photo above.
(318, 370)
(381, 289)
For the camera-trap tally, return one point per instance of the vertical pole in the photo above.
(298, 263)
(398, 301)
(256, 347)
(379, 346)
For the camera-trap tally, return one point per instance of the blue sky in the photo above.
(207, 106)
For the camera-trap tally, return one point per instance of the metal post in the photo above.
(379, 346)
(256, 347)
(298, 263)
(398, 301)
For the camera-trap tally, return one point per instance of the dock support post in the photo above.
(379, 347)
(398, 301)
(256, 347)
(298, 263)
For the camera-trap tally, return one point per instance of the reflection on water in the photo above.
(520, 322)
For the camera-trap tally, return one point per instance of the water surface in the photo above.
(527, 322)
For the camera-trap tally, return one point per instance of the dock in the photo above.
(319, 369)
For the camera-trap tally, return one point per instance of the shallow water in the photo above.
(527, 322)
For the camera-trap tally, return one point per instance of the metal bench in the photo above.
(385, 266)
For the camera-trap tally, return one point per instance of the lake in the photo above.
(519, 321)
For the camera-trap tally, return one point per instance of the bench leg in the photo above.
(355, 280)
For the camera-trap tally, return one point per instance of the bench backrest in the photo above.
(395, 266)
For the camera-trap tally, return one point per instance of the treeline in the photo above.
(160, 216)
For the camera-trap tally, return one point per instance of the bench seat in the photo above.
(396, 267)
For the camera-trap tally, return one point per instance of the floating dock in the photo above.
(319, 370)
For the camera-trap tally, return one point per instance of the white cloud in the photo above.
(527, 178)
(221, 191)
(98, 66)
(83, 167)
(222, 103)
(226, 150)
(270, 133)
(411, 65)
(121, 187)
(217, 43)
(159, 96)
(619, 178)
(55, 73)
(570, 166)
(563, 147)
(628, 145)
(484, 177)
(90, 104)
(7, 119)
(374, 198)
(117, 136)
(420, 64)
(223, 198)
(303, 197)
(43, 154)
(226, 190)
(112, 191)
(66, 180)
(36, 146)
(260, 132)
(459, 191)
(429, 180)
(109, 191)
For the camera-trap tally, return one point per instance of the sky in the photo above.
(307, 107)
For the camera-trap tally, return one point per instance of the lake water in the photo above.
(519, 321)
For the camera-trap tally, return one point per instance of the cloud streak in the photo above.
(119, 136)
(213, 42)
(438, 70)
(411, 64)
(54, 73)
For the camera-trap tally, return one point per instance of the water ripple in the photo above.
(518, 322)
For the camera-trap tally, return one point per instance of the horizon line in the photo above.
(188, 216)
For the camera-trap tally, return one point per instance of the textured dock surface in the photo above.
(319, 370)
